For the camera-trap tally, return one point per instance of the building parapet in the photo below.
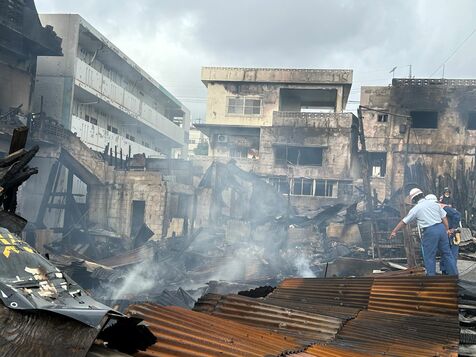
(276, 75)
(423, 82)
(316, 120)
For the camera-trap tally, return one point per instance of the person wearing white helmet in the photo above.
(431, 219)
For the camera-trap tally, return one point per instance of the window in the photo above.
(86, 117)
(471, 121)
(235, 106)
(325, 188)
(297, 155)
(244, 106)
(301, 186)
(239, 152)
(424, 120)
(252, 106)
(112, 129)
(93, 121)
(382, 118)
(378, 163)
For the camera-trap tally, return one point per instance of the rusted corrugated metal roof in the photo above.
(341, 312)
(415, 295)
(182, 332)
(351, 292)
(305, 326)
(407, 316)
(376, 334)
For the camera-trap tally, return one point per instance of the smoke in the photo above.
(303, 267)
(141, 278)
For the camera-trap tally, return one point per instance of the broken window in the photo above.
(471, 121)
(298, 155)
(325, 188)
(382, 118)
(424, 119)
(378, 163)
(244, 106)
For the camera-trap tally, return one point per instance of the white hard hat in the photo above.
(431, 197)
(415, 192)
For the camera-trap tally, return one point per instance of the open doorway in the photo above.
(137, 219)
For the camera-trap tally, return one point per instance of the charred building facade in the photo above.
(422, 132)
(287, 126)
(22, 39)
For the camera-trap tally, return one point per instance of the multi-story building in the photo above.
(22, 39)
(197, 142)
(286, 125)
(99, 93)
(423, 132)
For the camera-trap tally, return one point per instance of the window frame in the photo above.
(285, 148)
(243, 106)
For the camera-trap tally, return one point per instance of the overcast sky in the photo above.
(173, 39)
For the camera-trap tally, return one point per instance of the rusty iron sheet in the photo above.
(415, 295)
(351, 292)
(377, 333)
(341, 312)
(182, 332)
(306, 327)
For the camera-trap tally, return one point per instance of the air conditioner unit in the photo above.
(221, 138)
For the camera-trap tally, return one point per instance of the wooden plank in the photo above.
(20, 135)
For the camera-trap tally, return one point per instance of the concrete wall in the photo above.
(442, 149)
(335, 133)
(269, 93)
(111, 205)
(15, 88)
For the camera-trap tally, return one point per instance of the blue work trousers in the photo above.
(435, 238)
(455, 251)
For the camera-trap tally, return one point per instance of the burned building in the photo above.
(22, 39)
(287, 126)
(422, 132)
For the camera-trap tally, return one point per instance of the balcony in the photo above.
(314, 120)
(110, 92)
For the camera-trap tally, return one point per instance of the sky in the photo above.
(173, 39)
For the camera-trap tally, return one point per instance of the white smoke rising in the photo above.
(303, 266)
(140, 279)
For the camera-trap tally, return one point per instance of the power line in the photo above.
(454, 52)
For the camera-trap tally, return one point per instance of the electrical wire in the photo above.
(454, 52)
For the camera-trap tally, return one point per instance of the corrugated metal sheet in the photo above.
(351, 292)
(376, 333)
(341, 312)
(182, 332)
(305, 326)
(415, 295)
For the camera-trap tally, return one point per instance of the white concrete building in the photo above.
(99, 93)
(196, 137)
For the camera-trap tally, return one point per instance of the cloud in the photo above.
(172, 40)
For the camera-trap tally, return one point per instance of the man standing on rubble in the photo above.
(432, 221)
(454, 223)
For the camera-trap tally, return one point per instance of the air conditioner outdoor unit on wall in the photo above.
(221, 138)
